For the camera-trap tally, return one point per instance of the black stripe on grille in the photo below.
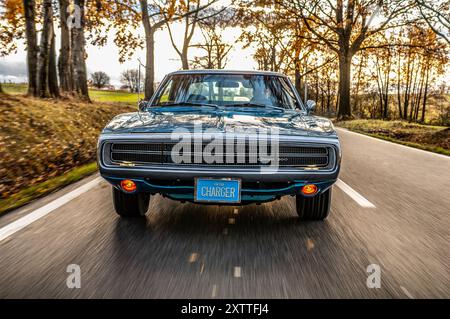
(159, 153)
(157, 147)
(149, 147)
(137, 157)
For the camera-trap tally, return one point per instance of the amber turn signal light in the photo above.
(128, 185)
(309, 189)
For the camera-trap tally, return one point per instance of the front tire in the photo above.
(130, 205)
(314, 208)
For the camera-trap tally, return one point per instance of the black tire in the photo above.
(314, 208)
(130, 205)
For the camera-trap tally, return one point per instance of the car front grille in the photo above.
(243, 155)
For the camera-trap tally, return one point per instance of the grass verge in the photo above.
(434, 139)
(47, 143)
(36, 191)
(41, 139)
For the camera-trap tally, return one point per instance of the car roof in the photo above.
(238, 72)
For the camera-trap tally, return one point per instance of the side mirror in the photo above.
(142, 105)
(310, 106)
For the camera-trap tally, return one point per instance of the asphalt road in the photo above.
(190, 251)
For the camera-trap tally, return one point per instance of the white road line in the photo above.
(354, 194)
(214, 291)
(396, 144)
(23, 222)
(407, 292)
(237, 272)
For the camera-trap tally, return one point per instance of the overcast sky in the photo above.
(13, 67)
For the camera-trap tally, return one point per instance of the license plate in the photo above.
(217, 190)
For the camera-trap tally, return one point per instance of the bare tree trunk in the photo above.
(79, 54)
(425, 95)
(186, 41)
(189, 29)
(383, 88)
(150, 52)
(184, 58)
(414, 94)
(399, 99)
(328, 96)
(322, 100)
(316, 86)
(220, 58)
(379, 85)
(64, 65)
(408, 86)
(386, 97)
(150, 66)
(380, 94)
(298, 76)
(32, 48)
(345, 63)
(1, 88)
(336, 105)
(44, 50)
(358, 83)
(419, 98)
(52, 72)
(273, 57)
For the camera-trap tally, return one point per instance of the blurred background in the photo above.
(384, 66)
(67, 67)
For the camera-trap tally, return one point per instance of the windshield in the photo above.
(227, 90)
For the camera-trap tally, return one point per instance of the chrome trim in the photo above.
(162, 149)
(247, 174)
(107, 161)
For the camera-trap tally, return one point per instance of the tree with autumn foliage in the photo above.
(156, 15)
(12, 27)
(344, 26)
(266, 33)
(20, 20)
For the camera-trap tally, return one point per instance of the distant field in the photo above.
(95, 95)
(12, 88)
(113, 96)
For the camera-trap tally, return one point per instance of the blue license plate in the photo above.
(217, 190)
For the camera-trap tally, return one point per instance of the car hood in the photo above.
(169, 119)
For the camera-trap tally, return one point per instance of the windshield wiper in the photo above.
(192, 104)
(250, 104)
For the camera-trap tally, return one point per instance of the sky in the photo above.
(106, 58)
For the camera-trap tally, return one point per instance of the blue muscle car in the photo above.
(224, 138)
